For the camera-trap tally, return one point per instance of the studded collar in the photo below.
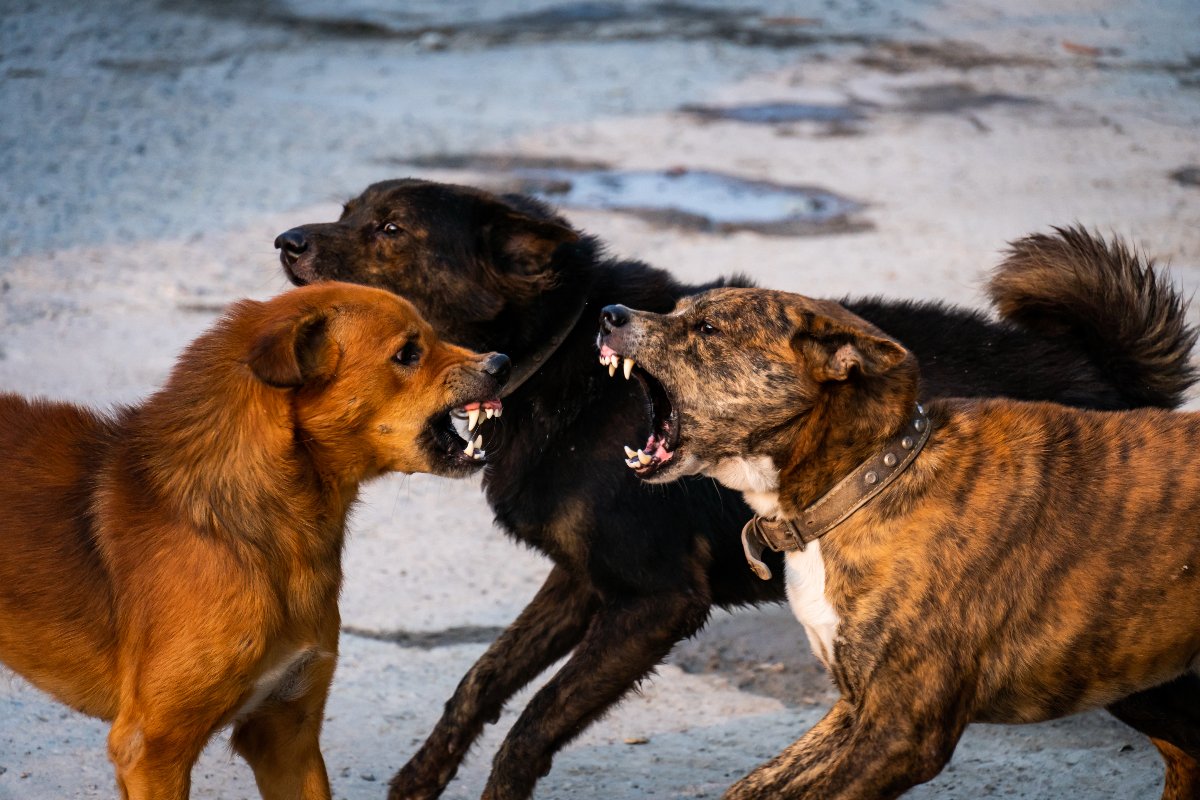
(837, 505)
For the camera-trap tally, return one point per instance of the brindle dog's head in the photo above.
(470, 261)
(736, 374)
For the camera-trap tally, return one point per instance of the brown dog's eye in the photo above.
(705, 327)
(409, 355)
(391, 229)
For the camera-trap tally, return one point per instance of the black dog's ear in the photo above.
(293, 351)
(834, 350)
(522, 245)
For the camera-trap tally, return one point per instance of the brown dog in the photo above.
(980, 560)
(175, 567)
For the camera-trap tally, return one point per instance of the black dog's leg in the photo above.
(1170, 716)
(626, 640)
(553, 623)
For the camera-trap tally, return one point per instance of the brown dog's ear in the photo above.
(522, 245)
(835, 350)
(293, 351)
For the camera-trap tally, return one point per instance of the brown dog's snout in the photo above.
(614, 316)
(291, 245)
(498, 366)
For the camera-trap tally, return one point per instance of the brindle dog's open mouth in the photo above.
(664, 421)
(458, 432)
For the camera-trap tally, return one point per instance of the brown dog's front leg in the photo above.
(552, 624)
(623, 644)
(852, 755)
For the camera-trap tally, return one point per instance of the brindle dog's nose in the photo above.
(498, 367)
(613, 317)
(291, 245)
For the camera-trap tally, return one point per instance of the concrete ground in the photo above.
(151, 151)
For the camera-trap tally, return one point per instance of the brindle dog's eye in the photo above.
(409, 355)
(391, 229)
(705, 327)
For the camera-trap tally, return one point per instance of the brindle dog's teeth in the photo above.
(630, 452)
(489, 413)
(643, 458)
(612, 367)
(628, 368)
(633, 463)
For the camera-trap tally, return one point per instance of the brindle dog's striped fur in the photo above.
(1034, 561)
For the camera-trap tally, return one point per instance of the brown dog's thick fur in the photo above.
(175, 567)
(1032, 562)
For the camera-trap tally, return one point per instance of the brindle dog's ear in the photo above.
(293, 351)
(834, 350)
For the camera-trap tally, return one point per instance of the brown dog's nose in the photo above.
(291, 245)
(498, 366)
(616, 316)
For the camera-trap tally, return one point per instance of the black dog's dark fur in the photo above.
(638, 567)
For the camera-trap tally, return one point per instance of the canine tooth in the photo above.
(630, 452)
(472, 418)
(628, 368)
(612, 368)
(480, 455)
(478, 441)
(470, 448)
(643, 458)
(491, 412)
(633, 463)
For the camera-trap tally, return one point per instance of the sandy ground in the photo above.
(150, 153)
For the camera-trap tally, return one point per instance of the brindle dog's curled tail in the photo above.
(1125, 313)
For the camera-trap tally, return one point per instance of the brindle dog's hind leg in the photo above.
(895, 741)
(1170, 716)
(553, 623)
(626, 640)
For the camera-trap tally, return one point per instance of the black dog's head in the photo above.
(466, 258)
(733, 375)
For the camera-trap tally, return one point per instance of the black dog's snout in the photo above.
(498, 366)
(613, 317)
(291, 244)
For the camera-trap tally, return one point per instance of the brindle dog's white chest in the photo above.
(758, 480)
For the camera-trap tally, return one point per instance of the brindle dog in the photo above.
(1030, 562)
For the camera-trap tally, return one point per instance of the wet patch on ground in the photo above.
(699, 200)
(782, 112)
(847, 118)
(585, 21)
(901, 57)
(953, 98)
(1187, 176)
(763, 651)
(429, 640)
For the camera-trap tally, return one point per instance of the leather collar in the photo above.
(530, 365)
(837, 505)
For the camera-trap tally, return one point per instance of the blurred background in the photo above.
(151, 151)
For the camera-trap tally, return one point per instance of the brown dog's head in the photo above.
(735, 374)
(372, 386)
(467, 259)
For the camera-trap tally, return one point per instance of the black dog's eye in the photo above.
(391, 229)
(705, 327)
(409, 355)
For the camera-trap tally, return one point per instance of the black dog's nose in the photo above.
(291, 244)
(613, 317)
(498, 366)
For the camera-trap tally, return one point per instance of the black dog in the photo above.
(639, 568)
